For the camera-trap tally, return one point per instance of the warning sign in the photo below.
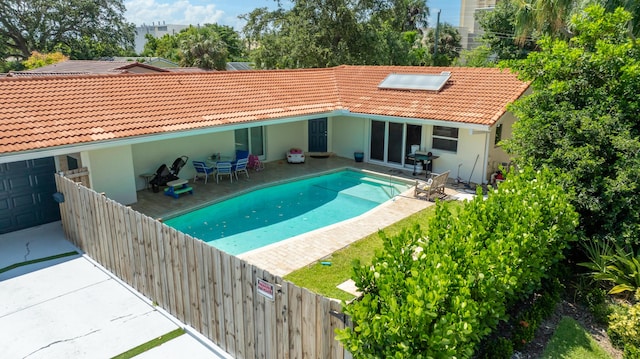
(265, 288)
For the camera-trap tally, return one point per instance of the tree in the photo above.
(321, 33)
(448, 45)
(38, 60)
(202, 48)
(499, 26)
(208, 47)
(582, 119)
(81, 29)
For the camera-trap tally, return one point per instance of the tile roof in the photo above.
(85, 67)
(42, 112)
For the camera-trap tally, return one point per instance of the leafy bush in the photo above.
(624, 328)
(499, 348)
(437, 293)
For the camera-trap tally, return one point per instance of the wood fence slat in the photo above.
(337, 351)
(111, 245)
(89, 223)
(203, 318)
(132, 234)
(270, 320)
(323, 327)
(194, 285)
(248, 281)
(100, 251)
(149, 228)
(282, 318)
(181, 265)
(162, 265)
(212, 320)
(141, 264)
(206, 297)
(295, 321)
(238, 308)
(125, 242)
(308, 324)
(158, 259)
(177, 274)
(227, 299)
(258, 316)
(219, 299)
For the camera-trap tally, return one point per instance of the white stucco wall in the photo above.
(470, 145)
(147, 157)
(111, 171)
(280, 138)
(348, 135)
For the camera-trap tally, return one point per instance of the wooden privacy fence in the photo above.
(245, 310)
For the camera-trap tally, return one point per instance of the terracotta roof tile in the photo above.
(53, 111)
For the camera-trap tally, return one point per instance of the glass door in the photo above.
(378, 129)
(250, 139)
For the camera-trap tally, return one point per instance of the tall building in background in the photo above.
(156, 30)
(470, 30)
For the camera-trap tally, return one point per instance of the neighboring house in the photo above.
(124, 125)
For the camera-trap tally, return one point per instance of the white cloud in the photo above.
(181, 12)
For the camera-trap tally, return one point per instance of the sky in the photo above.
(225, 12)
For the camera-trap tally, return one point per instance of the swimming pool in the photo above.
(272, 214)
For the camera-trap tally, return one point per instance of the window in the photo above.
(250, 139)
(498, 134)
(445, 138)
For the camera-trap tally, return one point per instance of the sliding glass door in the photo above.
(250, 139)
(391, 141)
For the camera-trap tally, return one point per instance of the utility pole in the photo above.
(435, 44)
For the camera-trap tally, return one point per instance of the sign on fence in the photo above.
(265, 288)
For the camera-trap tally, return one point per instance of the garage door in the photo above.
(26, 190)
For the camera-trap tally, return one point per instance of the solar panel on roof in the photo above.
(415, 81)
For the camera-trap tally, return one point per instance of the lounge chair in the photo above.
(202, 170)
(241, 166)
(433, 187)
(224, 169)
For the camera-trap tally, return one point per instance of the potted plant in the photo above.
(358, 156)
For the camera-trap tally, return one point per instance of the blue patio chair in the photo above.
(241, 166)
(224, 169)
(240, 154)
(202, 170)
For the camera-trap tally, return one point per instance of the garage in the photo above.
(26, 189)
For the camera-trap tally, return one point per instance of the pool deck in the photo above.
(286, 256)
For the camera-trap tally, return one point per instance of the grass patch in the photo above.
(323, 279)
(571, 341)
(150, 344)
(16, 265)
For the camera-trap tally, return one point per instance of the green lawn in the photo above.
(323, 279)
(571, 341)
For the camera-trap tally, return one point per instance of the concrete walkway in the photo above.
(71, 307)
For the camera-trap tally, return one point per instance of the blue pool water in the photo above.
(272, 214)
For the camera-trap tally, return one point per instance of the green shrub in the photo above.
(499, 348)
(624, 327)
(438, 293)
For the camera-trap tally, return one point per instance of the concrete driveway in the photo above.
(71, 307)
